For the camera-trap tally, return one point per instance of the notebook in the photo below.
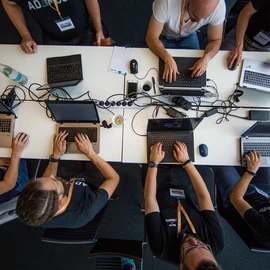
(170, 130)
(255, 74)
(184, 84)
(7, 117)
(76, 117)
(256, 138)
(63, 71)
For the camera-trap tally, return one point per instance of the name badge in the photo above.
(262, 37)
(177, 193)
(65, 24)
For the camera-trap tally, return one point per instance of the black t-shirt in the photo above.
(161, 230)
(82, 208)
(260, 20)
(258, 218)
(46, 16)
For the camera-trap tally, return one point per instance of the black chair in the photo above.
(83, 235)
(107, 253)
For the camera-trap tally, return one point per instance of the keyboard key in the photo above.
(91, 132)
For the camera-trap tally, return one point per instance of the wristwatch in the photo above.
(152, 164)
(52, 159)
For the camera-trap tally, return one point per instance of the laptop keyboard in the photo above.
(256, 78)
(169, 140)
(263, 148)
(185, 79)
(5, 125)
(91, 132)
(64, 72)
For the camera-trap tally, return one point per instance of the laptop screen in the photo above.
(73, 111)
(259, 129)
(173, 124)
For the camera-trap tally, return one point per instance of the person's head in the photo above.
(201, 9)
(40, 199)
(196, 255)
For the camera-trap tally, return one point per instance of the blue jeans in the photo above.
(189, 42)
(227, 177)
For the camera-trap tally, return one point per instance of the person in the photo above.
(13, 177)
(61, 22)
(51, 202)
(248, 194)
(251, 32)
(174, 24)
(171, 236)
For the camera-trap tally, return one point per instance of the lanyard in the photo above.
(180, 209)
(56, 8)
(183, 9)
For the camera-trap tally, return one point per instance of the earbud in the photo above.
(237, 94)
(105, 124)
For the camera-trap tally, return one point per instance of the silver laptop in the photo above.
(255, 74)
(256, 138)
(76, 117)
(7, 118)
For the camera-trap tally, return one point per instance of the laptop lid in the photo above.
(73, 111)
(173, 124)
(255, 74)
(259, 129)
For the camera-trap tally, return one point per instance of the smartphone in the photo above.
(132, 88)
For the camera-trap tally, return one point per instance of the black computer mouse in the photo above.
(133, 66)
(203, 149)
(233, 67)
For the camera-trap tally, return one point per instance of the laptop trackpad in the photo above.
(72, 148)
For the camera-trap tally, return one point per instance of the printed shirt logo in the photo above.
(38, 4)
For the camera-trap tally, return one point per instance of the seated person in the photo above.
(178, 231)
(52, 202)
(250, 199)
(174, 24)
(251, 32)
(13, 177)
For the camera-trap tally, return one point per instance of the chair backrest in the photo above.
(83, 235)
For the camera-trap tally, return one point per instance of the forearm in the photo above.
(241, 187)
(212, 48)
(241, 27)
(94, 12)
(51, 169)
(16, 16)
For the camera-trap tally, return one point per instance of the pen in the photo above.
(153, 80)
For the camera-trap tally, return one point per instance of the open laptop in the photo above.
(7, 117)
(256, 138)
(168, 131)
(255, 74)
(63, 71)
(184, 84)
(76, 117)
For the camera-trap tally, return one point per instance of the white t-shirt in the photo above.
(169, 13)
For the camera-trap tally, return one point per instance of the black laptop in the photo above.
(168, 131)
(184, 84)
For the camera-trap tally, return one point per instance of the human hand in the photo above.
(170, 70)
(99, 37)
(28, 45)
(59, 144)
(180, 153)
(4, 162)
(19, 143)
(199, 67)
(84, 145)
(157, 154)
(235, 54)
(253, 161)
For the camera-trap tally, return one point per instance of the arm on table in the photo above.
(111, 176)
(11, 176)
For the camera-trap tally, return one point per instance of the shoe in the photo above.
(128, 264)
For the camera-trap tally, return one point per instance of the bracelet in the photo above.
(250, 172)
(186, 163)
(52, 159)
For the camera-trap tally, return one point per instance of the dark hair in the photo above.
(36, 206)
(205, 265)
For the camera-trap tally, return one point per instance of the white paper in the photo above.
(120, 60)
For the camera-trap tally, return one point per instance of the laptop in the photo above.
(184, 84)
(168, 131)
(7, 117)
(256, 138)
(76, 117)
(255, 74)
(63, 71)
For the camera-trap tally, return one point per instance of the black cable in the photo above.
(146, 74)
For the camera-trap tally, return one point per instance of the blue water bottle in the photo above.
(13, 74)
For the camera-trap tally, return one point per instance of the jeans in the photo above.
(189, 42)
(227, 177)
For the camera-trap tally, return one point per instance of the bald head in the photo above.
(203, 8)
